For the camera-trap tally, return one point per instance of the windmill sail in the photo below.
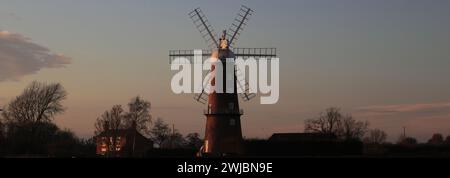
(256, 53)
(188, 54)
(238, 52)
(238, 24)
(207, 32)
(203, 96)
(204, 27)
(243, 86)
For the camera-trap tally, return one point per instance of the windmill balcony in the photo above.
(224, 111)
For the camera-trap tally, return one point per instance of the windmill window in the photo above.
(231, 106)
(232, 122)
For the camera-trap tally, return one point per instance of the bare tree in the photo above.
(160, 132)
(352, 129)
(376, 136)
(175, 140)
(32, 111)
(436, 139)
(328, 122)
(110, 120)
(447, 140)
(193, 141)
(39, 102)
(139, 113)
(408, 141)
(332, 122)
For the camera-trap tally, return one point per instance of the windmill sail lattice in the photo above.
(203, 25)
(243, 53)
(203, 96)
(243, 85)
(238, 24)
(238, 52)
(208, 34)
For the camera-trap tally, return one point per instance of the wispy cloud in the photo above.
(19, 56)
(405, 108)
(421, 120)
(433, 123)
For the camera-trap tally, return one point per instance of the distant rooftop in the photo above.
(294, 137)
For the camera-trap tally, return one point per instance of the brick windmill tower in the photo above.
(223, 134)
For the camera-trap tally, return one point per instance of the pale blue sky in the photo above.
(349, 53)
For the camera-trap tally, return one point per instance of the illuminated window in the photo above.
(104, 145)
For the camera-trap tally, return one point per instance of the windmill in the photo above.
(223, 134)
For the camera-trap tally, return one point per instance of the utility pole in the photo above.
(404, 132)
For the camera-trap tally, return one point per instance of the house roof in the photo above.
(301, 137)
(120, 132)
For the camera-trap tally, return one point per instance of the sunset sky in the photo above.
(384, 61)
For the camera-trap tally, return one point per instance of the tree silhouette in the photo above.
(39, 102)
(193, 141)
(110, 120)
(352, 129)
(138, 113)
(174, 140)
(29, 115)
(332, 122)
(376, 136)
(408, 141)
(160, 132)
(117, 118)
(447, 140)
(436, 139)
(328, 122)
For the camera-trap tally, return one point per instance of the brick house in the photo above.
(122, 143)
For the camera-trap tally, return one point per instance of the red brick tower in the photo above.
(223, 135)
